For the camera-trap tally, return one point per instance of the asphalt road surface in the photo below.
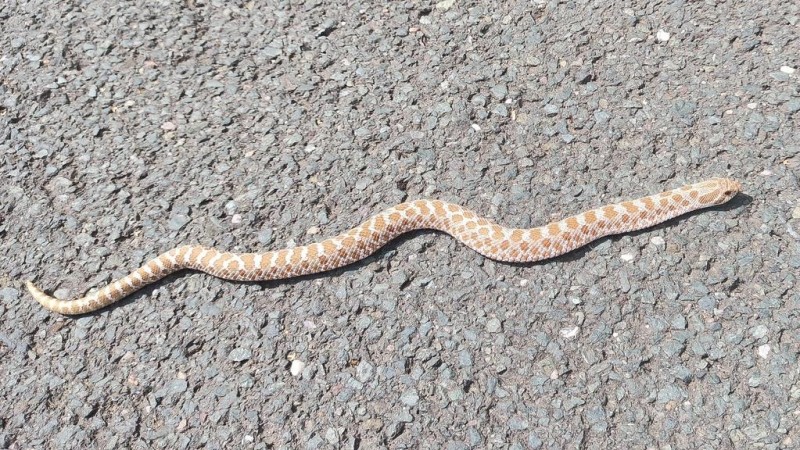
(129, 128)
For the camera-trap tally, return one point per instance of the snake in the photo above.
(482, 235)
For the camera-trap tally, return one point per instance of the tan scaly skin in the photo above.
(485, 237)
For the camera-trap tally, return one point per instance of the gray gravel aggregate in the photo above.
(130, 128)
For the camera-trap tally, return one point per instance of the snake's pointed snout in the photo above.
(731, 188)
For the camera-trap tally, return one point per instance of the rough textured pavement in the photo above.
(129, 128)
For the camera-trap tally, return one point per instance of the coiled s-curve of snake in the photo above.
(485, 237)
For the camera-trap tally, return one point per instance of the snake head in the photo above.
(717, 191)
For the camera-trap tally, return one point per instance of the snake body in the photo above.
(485, 237)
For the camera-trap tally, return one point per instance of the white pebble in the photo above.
(313, 230)
(476, 127)
(763, 350)
(787, 69)
(662, 36)
(759, 331)
(493, 325)
(297, 367)
(627, 257)
(445, 4)
(658, 241)
(523, 282)
(236, 219)
(570, 332)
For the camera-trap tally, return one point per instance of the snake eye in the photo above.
(728, 193)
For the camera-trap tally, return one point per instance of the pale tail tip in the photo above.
(32, 289)
(44, 299)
